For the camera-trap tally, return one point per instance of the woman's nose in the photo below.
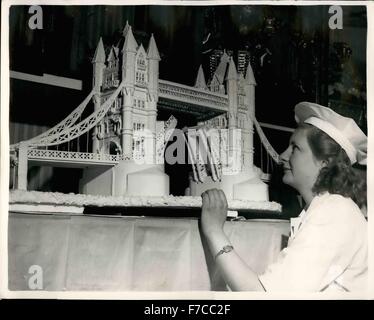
(285, 155)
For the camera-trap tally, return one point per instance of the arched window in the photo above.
(114, 148)
(119, 126)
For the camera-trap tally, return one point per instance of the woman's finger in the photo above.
(222, 198)
(213, 197)
(205, 199)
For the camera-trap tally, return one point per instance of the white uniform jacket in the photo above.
(327, 250)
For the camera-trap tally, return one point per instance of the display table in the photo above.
(111, 253)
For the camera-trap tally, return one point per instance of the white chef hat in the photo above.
(343, 130)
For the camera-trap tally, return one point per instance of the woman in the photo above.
(327, 250)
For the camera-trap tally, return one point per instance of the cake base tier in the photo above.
(82, 200)
(127, 178)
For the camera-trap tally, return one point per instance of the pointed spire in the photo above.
(130, 44)
(141, 47)
(152, 52)
(225, 57)
(112, 54)
(99, 56)
(232, 74)
(126, 29)
(221, 69)
(116, 51)
(200, 79)
(249, 76)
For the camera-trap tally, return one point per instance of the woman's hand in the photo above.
(213, 212)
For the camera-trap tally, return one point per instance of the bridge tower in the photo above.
(98, 71)
(128, 77)
(131, 122)
(240, 178)
(153, 58)
(105, 81)
(129, 128)
(232, 94)
(249, 103)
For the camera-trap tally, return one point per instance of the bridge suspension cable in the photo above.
(70, 120)
(84, 126)
(196, 156)
(269, 148)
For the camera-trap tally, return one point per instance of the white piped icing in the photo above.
(71, 199)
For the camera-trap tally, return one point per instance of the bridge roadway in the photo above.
(202, 104)
(69, 159)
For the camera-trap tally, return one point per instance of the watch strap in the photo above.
(225, 249)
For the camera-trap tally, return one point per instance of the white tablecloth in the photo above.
(128, 253)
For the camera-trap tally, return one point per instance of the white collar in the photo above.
(296, 223)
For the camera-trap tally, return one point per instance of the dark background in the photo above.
(305, 60)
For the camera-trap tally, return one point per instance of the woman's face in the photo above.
(301, 168)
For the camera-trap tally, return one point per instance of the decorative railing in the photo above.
(68, 155)
(193, 95)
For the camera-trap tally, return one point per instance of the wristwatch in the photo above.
(225, 249)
